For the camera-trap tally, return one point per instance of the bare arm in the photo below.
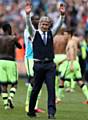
(18, 45)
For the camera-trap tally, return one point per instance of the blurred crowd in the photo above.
(76, 13)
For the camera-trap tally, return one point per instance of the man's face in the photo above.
(35, 21)
(44, 25)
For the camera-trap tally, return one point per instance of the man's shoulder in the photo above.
(10, 37)
(37, 32)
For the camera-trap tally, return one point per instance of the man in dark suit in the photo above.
(44, 67)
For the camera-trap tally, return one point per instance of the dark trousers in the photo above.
(44, 72)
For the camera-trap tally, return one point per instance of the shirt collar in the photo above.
(41, 32)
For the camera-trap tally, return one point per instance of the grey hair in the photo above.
(44, 18)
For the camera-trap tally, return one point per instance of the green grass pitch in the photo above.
(70, 109)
